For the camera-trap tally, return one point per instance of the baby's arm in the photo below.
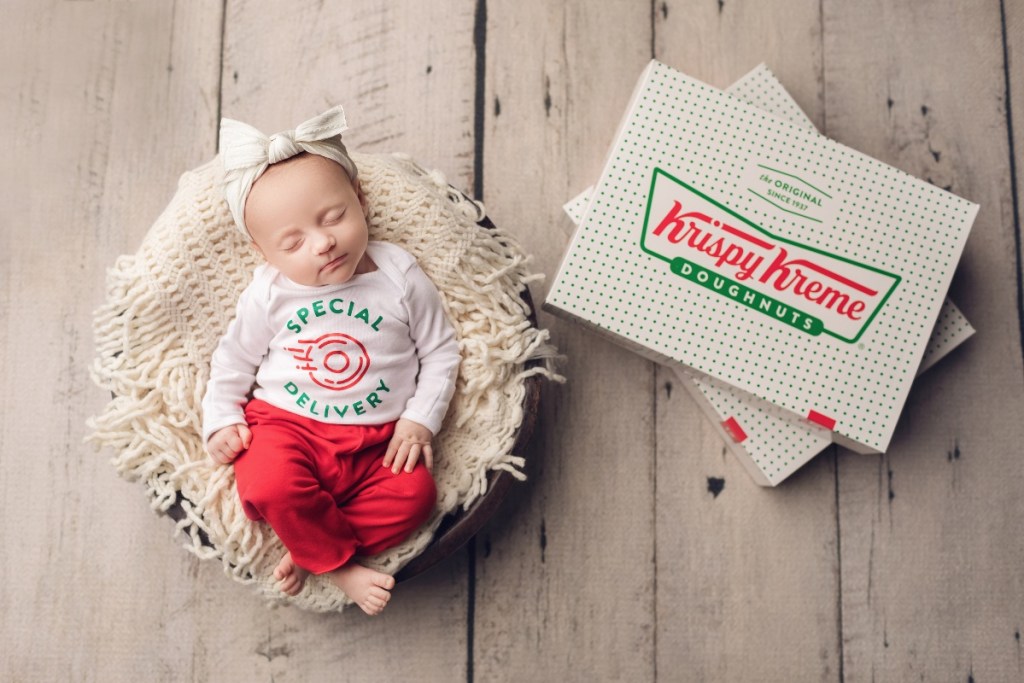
(232, 373)
(438, 354)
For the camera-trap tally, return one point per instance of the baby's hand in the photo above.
(225, 444)
(411, 439)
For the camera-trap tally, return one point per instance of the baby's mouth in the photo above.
(331, 265)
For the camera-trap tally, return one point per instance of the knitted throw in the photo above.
(168, 305)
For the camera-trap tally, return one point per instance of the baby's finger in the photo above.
(414, 456)
(392, 450)
(403, 453)
(222, 455)
(234, 443)
(246, 435)
(428, 457)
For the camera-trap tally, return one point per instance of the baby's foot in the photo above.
(367, 587)
(290, 576)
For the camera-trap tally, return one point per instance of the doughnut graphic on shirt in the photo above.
(334, 360)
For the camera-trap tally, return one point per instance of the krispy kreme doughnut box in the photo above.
(763, 257)
(769, 442)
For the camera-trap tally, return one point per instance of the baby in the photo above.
(345, 349)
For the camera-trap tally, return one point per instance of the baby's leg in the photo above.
(367, 587)
(389, 507)
(290, 576)
(278, 481)
(385, 510)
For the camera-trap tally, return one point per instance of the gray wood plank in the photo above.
(104, 104)
(722, 41)
(404, 72)
(930, 534)
(1013, 65)
(748, 581)
(565, 586)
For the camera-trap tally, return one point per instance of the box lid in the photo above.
(764, 255)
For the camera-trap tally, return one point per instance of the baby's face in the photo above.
(308, 220)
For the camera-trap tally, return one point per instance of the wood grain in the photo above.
(930, 545)
(760, 565)
(97, 92)
(1013, 67)
(565, 587)
(404, 71)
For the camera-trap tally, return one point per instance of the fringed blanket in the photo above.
(168, 305)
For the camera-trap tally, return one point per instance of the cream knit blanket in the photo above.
(168, 305)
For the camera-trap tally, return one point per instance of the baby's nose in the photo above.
(324, 243)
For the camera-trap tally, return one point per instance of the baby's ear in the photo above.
(362, 198)
(255, 247)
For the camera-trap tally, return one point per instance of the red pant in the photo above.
(323, 489)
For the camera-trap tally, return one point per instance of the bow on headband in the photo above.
(246, 152)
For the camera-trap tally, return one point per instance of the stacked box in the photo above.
(772, 444)
(777, 266)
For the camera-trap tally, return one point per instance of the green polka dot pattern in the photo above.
(885, 218)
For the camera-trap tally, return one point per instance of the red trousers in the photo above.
(323, 489)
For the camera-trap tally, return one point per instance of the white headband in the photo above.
(246, 152)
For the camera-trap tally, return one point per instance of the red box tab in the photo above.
(823, 420)
(732, 428)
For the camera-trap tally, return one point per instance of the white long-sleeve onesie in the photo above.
(368, 351)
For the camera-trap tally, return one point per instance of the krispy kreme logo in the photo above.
(797, 285)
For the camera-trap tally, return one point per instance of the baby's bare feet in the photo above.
(290, 576)
(367, 587)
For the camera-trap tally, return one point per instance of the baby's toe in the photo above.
(291, 585)
(370, 609)
(379, 593)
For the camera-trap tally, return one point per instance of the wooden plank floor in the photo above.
(615, 561)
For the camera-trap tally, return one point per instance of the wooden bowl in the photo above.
(457, 527)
